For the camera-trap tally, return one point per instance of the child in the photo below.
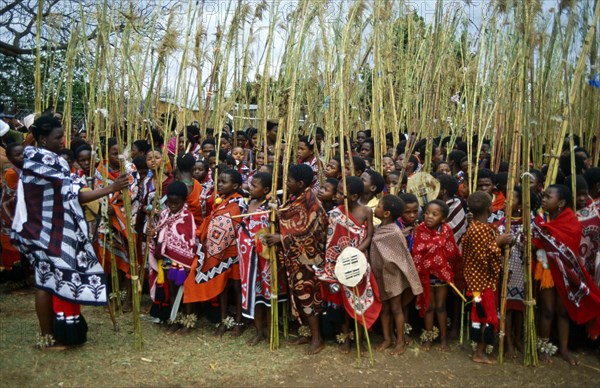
(67, 155)
(442, 167)
(208, 146)
(9, 254)
(240, 165)
(482, 265)
(334, 168)
(388, 166)
(408, 221)
(172, 247)
(306, 155)
(367, 149)
(83, 158)
(255, 265)
(373, 185)
(434, 247)
(327, 193)
(212, 277)
(185, 165)
(566, 287)
(516, 282)
(391, 182)
(202, 174)
(303, 234)
(394, 269)
(351, 228)
(486, 182)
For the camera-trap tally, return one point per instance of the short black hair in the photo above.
(580, 182)
(80, 149)
(359, 164)
(236, 177)
(266, 179)
(564, 192)
(534, 203)
(565, 164)
(301, 173)
(142, 146)
(334, 182)
(486, 173)
(393, 204)
(441, 204)
(271, 124)
(140, 163)
(354, 185)
(447, 182)
(479, 202)
(10, 148)
(208, 141)
(68, 152)
(178, 189)
(539, 176)
(185, 162)
(408, 198)
(44, 125)
(456, 156)
(319, 131)
(592, 176)
(376, 180)
(105, 147)
(157, 138)
(310, 144)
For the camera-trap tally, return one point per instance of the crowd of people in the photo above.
(198, 216)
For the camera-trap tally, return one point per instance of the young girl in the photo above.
(306, 155)
(408, 221)
(113, 234)
(203, 175)
(240, 165)
(255, 267)
(394, 269)
(9, 254)
(434, 248)
(83, 158)
(213, 276)
(185, 165)
(172, 248)
(334, 168)
(566, 288)
(516, 282)
(327, 194)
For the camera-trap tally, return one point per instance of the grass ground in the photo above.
(109, 360)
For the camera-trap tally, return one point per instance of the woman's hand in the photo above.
(120, 183)
(504, 239)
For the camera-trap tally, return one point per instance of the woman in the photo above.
(50, 230)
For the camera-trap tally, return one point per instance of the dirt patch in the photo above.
(200, 359)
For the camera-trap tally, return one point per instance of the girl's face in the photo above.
(253, 140)
(199, 173)
(434, 216)
(388, 165)
(181, 143)
(207, 149)
(366, 150)
(212, 162)
(464, 167)
(135, 152)
(410, 167)
(238, 154)
(391, 182)
(516, 204)
(360, 138)
(304, 153)
(225, 185)
(581, 198)
(444, 168)
(271, 158)
(411, 212)
(437, 155)
(294, 187)
(257, 190)
(16, 156)
(366, 179)
(84, 159)
(551, 201)
(225, 145)
(379, 211)
(272, 135)
(113, 157)
(332, 170)
(327, 192)
(400, 161)
(175, 203)
(260, 159)
(264, 168)
(154, 160)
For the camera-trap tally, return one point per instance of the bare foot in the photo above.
(237, 330)
(510, 352)
(444, 347)
(569, 358)
(56, 347)
(256, 339)
(126, 308)
(315, 347)
(482, 359)
(545, 358)
(345, 346)
(426, 345)
(364, 348)
(384, 345)
(221, 330)
(300, 341)
(184, 331)
(398, 349)
(173, 328)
